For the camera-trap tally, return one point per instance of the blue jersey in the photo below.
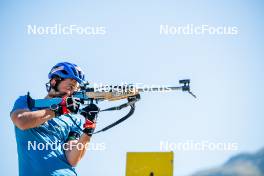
(40, 149)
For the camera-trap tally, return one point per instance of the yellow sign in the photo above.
(149, 164)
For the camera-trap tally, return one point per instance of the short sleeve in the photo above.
(20, 103)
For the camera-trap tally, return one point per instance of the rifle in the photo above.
(88, 94)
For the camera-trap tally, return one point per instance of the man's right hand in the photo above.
(66, 106)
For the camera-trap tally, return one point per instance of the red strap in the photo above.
(64, 106)
(89, 124)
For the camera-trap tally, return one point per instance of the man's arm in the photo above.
(74, 154)
(25, 119)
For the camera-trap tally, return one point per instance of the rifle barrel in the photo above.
(159, 89)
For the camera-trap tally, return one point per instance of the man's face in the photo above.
(68, 86)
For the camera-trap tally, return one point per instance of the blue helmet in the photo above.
(67, 70)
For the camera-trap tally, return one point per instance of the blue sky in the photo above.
(226, 73)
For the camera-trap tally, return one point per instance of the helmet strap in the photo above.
(50, 86)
